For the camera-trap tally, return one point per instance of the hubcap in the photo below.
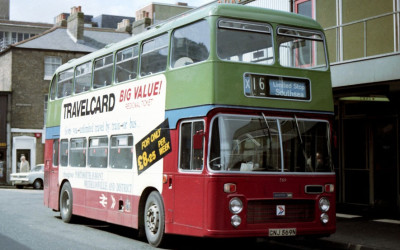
(65, 202)
(153, 218)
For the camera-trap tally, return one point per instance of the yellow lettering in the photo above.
(164, 148)
(145, 143)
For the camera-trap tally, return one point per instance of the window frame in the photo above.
(313, 49)
(83, 74)
(106, 147)
(51, 64)
(191, 168)
(62, 143)
(270, 31)
(94, 70)
(142, 53)
(84, 151)
(116, 147)
(172, 47)
(65, 80)
(133, 58)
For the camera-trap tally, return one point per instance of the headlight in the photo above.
(236, 220)
(235, 205)
(324, 218)
(324, 204)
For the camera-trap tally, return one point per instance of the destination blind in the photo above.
(268, 86)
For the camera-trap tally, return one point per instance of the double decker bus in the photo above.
(214, 124)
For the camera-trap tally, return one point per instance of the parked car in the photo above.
(33, 178)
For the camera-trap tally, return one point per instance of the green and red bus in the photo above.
(216, 123)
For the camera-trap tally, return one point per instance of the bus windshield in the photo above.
(249, 143)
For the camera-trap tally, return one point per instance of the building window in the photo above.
(304, 7)
(51, 63)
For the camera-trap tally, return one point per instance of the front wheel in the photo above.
(154, 219)
(66, 203)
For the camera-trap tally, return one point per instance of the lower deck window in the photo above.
(98, 152)
(121, 151)
(77, 157)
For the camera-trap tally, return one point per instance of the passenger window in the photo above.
(98, 152)
(83, 76)
(65, 83)
(53, 88)
(77, 157)
(154, 55)
(64, 153)
(190, 44)
(244, 41)
(103, 68)
(126, 65)
(121, 151)
(55, 153)
(191, 145)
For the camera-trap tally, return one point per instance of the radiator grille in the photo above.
(264, 211)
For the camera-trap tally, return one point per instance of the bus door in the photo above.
(51, 174)
(189, 182)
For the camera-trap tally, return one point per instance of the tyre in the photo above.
(154, 219)
(38, 184)
(66, 203)
(19, 186)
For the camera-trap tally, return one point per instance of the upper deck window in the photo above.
(190, 44)
(103, 68)
(83, 76)
(244, 41)
(126, 65)
(65, 83)
(154, 55)
(301, 48)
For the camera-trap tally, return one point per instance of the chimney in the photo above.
(125, 26)
(61, 20)
(75, 24)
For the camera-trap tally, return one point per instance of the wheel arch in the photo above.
(142, 203)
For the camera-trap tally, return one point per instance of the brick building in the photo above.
(26, 69)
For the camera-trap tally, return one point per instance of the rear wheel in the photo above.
(66, 203)
(154, 219)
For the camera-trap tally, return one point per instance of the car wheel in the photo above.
(19, 186)
(154, 219)
(66, 203)
(38, 184)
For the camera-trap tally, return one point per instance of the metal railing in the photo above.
(340, 44)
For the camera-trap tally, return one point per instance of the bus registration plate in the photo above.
(277, 232)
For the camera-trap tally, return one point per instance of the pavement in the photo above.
(363, 232)
(355, 230)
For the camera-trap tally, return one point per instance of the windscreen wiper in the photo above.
(303, 148)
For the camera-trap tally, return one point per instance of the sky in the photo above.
(44, 11)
